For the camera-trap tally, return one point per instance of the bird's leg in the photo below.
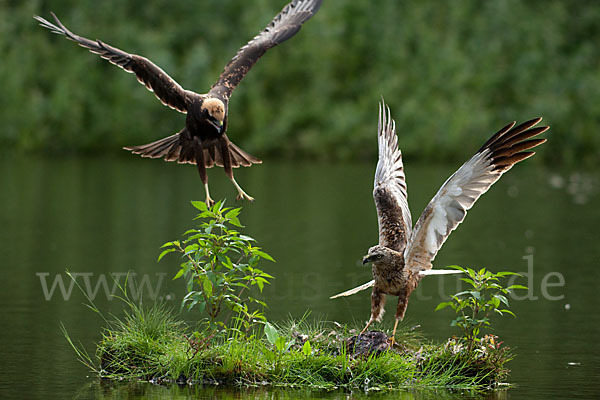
(209, 201)
(393, 338)
(241, 194)
(199, 156)
(224, 142)
(377, 303)
(400, 310)
(366, 327)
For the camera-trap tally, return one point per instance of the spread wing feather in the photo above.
(285, 25)
(389, 190)
(169, 92)
(449, 206)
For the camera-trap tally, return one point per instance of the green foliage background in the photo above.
(453, 72)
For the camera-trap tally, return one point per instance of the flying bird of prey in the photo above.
(405, 254)
(203, 140)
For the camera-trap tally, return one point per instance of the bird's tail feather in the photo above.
(355, 290)
(240, 158)
(173, 148)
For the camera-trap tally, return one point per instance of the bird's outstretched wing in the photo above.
(389, 191)
(449, 206)
(169, 92)
(285, 25)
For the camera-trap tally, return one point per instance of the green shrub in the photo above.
(474, 305)
(220, 267)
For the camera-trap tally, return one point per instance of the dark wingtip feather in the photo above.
(507, 147)
(510, 132)
(497, 135)
(516, 139)
(508, 162)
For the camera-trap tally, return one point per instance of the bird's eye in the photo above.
(379, 256)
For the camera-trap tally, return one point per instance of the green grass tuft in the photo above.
(153, 344)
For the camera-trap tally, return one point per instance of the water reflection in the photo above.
(98, 216)
(136, 390)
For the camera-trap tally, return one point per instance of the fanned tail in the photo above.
(180, 148)
(240, 158)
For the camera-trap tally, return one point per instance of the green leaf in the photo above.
(164, 253)
(501, 298)
(263, 280)
(190, 248)
(260, 285)
(280, 343)
(201, 306)
(509, 312)
(233, 213)
(495, 302)
(289, 344)
(262, 303)
(240, 284)
(469, 281)
(271, 333)
(475, 294)
(208, 288)
(306, 349)
(263, 255)
(443, 305)
(236, 222)
(511, 287)
(216, 208)
(200, 205)
(461, 293)
(506, 273)
(179, 274)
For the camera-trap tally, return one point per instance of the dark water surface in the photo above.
(110, 215)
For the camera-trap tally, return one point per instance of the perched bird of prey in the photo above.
(203, 140)
(405, 254)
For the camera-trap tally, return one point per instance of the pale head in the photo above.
(215, 109)
(379, 253)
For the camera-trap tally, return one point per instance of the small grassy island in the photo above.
(243, 348)
(154, 346)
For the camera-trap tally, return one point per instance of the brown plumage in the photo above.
(404, 255)
(203, 140)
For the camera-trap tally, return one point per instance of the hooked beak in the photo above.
(217, 124)
(366, 259)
